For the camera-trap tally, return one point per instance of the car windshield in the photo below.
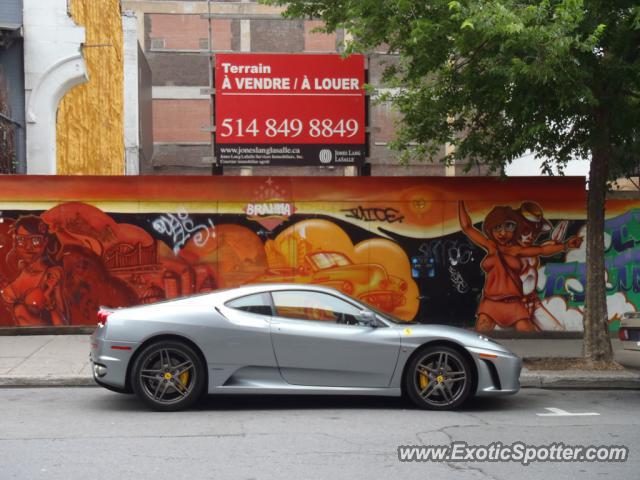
(388, 316)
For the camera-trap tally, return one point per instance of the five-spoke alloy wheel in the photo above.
(438, 378)
(168, 375)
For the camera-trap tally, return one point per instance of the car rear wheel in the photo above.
(438, 378)
(168, 375)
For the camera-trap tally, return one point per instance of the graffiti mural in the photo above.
(316, 251)
(33, 292)
(473, 252)
(562, 285)
(509, 298)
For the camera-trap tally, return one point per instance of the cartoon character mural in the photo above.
(104, 262)
(510, 256)
(505, 258)
(63, 264)
(35, 291)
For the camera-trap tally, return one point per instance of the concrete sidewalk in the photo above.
(45, 360)
(63, 360)
(628, 378)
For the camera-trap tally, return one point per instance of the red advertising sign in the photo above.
(286, 109)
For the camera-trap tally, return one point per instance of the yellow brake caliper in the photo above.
(424, 380)
(184, 378)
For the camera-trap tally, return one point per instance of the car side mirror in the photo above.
(367, 317)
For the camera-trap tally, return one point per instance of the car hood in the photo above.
(417, 334)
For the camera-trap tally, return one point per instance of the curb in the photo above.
(47, 381)
(580, 379)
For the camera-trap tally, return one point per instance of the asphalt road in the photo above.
(91, 433)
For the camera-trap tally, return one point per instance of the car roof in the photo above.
(231, 293)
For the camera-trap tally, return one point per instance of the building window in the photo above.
(157, 44)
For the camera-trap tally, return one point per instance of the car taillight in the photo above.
(623, 334)
(103, 315)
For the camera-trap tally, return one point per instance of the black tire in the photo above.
(168, 375)
(438, 378)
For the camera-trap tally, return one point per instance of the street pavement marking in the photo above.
(558, 412)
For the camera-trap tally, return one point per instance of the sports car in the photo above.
(291, 339)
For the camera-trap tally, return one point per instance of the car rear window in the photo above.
(259, 303)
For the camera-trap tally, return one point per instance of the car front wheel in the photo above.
(438, 378)
(168, 375)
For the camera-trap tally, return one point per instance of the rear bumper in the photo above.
(498, 372)
(631, 345)
(629, 332)
(110, 361)
(111, 387)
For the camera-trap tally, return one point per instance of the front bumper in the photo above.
(498, 371)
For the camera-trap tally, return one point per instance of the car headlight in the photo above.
(491, 341)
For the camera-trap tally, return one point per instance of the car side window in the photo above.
(259, 303)
(315, 306)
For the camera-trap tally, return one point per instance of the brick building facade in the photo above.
(175, 37)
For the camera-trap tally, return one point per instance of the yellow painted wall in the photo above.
(90, 132)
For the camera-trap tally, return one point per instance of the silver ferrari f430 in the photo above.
(291, 339)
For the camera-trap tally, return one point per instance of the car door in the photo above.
(243, 336)
(318, 341)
